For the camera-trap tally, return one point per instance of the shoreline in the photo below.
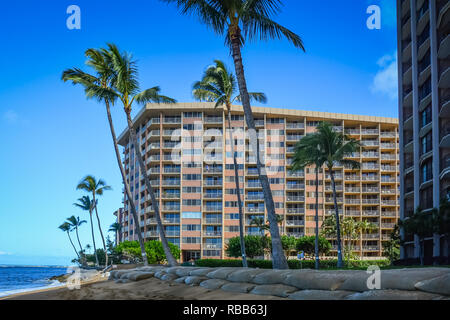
(62, 287)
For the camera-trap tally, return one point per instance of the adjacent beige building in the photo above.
(191, 167)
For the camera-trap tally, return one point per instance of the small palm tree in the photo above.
(91, 185)
(85, 203)
(306, 153)
(99, 86)
(441, 222)
(219, 85)
(127, 89)
(116, 228)
(366, 227)
(260, 224)
(66, 228)
(238, 21)
(335, 147)
(420, 224)
(75, 223)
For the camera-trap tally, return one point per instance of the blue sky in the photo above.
(52, 136)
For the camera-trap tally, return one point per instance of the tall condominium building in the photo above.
(188, 155)
(424, 108)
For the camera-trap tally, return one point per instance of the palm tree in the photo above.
(219, 85)
(86, 204)
(88, 247)
(366, 227)
(66, 228)
(91, 185)
(420, 224)
(259, 223)
(441, 222)
(75, 223)
(238, 21)
(127, 90)
(334, 147)
(116, 228)
(307, 152)
(99, 87)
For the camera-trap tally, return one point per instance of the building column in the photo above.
(401, 119)
(435, 119)
(416, 138)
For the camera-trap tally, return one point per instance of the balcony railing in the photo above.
(295, 198)
(217, 195)
(295, 222)
(254, 209)
(212, 233)
(295, 186)
(295, 125)
(295, 210)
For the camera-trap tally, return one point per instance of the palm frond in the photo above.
(152, 95)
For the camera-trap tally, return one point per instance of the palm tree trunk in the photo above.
(126, 185)
(81, 247)
(316, 244)
(100, 228)
(338, 227)
(93, 238)
(70, 239)
(238, 193)
(278, 257)
(170, 258)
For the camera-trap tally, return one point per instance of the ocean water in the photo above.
(16, 279)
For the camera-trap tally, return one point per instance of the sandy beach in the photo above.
(149, 289)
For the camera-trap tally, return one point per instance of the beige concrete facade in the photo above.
(190, 164)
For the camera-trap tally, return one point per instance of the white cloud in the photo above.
(11, 116)
(3, 253)
(386, 79)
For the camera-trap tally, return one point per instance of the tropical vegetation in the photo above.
(239, 21)
(219, 85)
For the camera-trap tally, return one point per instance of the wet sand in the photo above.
(149, 289)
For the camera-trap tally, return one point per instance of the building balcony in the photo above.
(170, 208)
(212, 233)
(444, 47)
(291, 126)
(171, 221)
(254, 209)
(295, 210)
(295, 186)
(295, 222)
(352, 213)
(216, 120)
(217, 195)
(370, 213)
(212, 246)
(213, 221)
(388, 225)
(352, 201)
(212, 208)
(371, 201)
(369, 132)
(254, 197)
(444, 71)
(388, 202)
(295, 198)
(295, 234)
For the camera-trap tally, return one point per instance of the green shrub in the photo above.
(131, 250)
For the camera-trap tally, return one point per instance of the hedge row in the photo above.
(293, 264)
